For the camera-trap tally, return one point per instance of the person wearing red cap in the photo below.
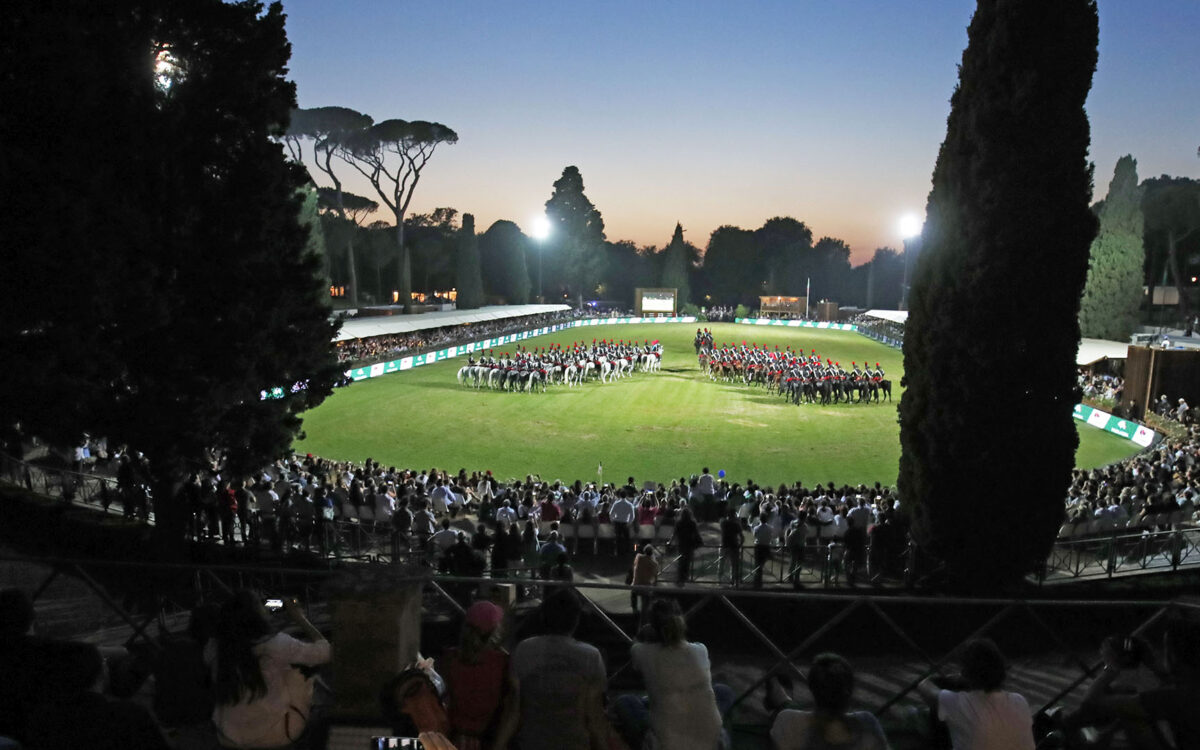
(475, 675)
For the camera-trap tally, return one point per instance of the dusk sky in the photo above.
(713, 113)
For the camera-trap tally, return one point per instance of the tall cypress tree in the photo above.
(986, 432)
(675, 267)
(470, 280)
(1109, 309)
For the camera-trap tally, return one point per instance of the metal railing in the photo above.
(1123, 553)
(1065, 628)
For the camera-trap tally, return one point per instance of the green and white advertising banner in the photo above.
(1128, 429)
(797, 324)
(407, 363)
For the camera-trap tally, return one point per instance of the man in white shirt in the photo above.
(505, 513)
(622, 514)
(978, 713)
(764, 535)
(442, 498)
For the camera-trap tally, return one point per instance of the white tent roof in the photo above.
(385, 325)
(1092, 350)
(896, 316)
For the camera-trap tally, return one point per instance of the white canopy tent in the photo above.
(1094, 350)
(896, 316)
(386, 325)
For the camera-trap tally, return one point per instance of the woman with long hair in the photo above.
(682, 709)
(829, 724)
(261, 699)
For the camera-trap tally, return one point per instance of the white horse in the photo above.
(606, 369)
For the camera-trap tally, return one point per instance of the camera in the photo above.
(396, 743)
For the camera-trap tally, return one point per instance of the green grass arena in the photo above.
(653, 426)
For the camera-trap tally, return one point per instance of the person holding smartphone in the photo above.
(261, 699)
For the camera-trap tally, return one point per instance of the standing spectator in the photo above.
(732, 539)
(644, 573)
(424, 525)
(500, 558)
(556, 685)
(687, 538)
(622, 514)
(856, 548)
(764, 536)
(684, 707)
(475, 675)
(978, 713)
(530, 547)
(706, 488)
(549, 554)
(828, 726)
(797, 538)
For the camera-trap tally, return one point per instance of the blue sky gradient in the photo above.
(712, 113)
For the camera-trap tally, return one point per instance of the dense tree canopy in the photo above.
(577, 234)
(502, 250)
(470, 282)
(986, 456)
(392, 155)
(677, 262)
(1113, 294)
(182, 285)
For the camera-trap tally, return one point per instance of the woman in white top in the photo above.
(261, 699)
(681, 711)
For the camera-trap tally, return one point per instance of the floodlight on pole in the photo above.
(910, 231)
(539, 229)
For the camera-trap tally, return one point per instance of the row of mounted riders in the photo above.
(797, 378)
(533, 370)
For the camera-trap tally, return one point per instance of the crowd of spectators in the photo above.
(1162, 481)
(235, 680)
(381, 348)
(1105, 388)
(884, 331)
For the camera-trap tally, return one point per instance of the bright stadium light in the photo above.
(910, 226)
(539, 228)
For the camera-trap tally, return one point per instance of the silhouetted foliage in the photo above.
(988, 441)
(577, 235)
(502, 255)
(470, 283)
(677, 261)
(153, 222)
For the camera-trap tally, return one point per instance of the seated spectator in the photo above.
(182, 681)
(683, 709)
(562, 569)
(829, 725)
(556, 685)
(475, 675)
(18, 657)
(1139, 713)
(977, 712)
(262, 699)
(71, 712)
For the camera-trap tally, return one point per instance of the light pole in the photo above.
(540, 230)
(910, 231)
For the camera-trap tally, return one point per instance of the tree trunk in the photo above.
(404, 267)
(1176, 276)
(353, 270)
